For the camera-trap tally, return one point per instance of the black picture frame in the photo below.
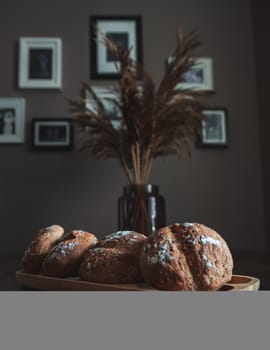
(125, 29)
(52, 134)
(214, 129)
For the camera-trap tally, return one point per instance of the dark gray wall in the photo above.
(260, 11)
(220, 188)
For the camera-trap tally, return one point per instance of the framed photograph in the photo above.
(199, 77)
(12, 120)
(40, 63)
(107, 95)
(52, 134)
(214, 128)
(125, 31)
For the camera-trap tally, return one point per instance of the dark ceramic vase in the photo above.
(141, 208)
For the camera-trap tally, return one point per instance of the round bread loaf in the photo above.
(65, 257)
(45, 239)
(186, 257)
(115, 259)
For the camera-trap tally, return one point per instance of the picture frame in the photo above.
(12, 120)
(40, 63)
(126, 30)
(52, 134)
(214, 132)
(106, 94)
(199, 77)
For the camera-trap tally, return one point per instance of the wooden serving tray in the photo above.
(41, 282)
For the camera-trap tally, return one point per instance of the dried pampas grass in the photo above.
(155, 121)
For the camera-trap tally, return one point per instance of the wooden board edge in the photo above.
(40, 282)
(252, 285)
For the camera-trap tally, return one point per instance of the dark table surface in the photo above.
(255, 264)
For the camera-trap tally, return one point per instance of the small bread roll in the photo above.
(65, 257)
(115, 259)
(45, 239)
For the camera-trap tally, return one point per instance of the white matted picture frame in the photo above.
(40, 63)
(214, 132)
(199, 77)
(52, 134)
(123, 30)
(12, 120)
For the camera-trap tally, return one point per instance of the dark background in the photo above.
(40, 64)
(52, 133)
(226, 189)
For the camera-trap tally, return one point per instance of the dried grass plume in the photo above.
(155, 121)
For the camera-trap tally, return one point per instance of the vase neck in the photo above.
(145, 188)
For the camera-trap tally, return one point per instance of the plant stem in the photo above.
(148, 159)
(126, 169)
(138, 162)
(149, 166)
(134, 162)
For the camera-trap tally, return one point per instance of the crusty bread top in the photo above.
(122, 239)
(188, 256)
(73, 242)
(45, 238)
